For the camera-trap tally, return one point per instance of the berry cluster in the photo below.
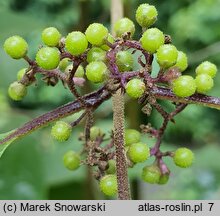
(99, 57)
(185, 85)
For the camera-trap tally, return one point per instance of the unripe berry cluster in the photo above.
(95, 55)
(185, 85)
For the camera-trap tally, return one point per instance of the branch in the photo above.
(200, 99)
(164, 93)
(160, 132)
(77, 121)
(52, 73)
(96, 98)
(93, 99)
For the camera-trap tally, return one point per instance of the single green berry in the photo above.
(61, 131)
(21, 73)
(152, 39)
(132, 136)
(71, 160)
(96, 34)
(17, 91)
(164, 179)
(95, 132)
(48, 58)
(167, 55)
(124, 61)
(63, 64)
(182, 61)
(79, 71)
(183, 157)
(111, 40)
(184, 86)
(135, 88)
(76, 43)
(203, 83)
(123, 26)
(151, 174)
(96, 71)
(138, 152)
(16, 47)
(208, 68)
(111, 167)
(108, 185)
(96, 54)
(51, 36)
(146, 15)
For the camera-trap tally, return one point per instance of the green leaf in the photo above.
(22, 170)
(4, 146)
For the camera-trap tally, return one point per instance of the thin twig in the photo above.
(77, 121)
(156, 149)
(52, 73)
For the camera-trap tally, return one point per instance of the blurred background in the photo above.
(31, 168)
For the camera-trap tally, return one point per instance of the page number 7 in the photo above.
(211, 205)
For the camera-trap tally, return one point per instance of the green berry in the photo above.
(61, 131)
(63, 64)
(164, 179)
(124, 61)
(17, 91)
(76, 43)
(48, 58)
(183, 157)
(203, 83)
(138, 152)
(79, 71)
(95, 132)
(135, 88)
(184, 86)
(152, 39)
(132, 136)
(21, 73)
(181, 62)
(123, 26)
(208, 68)
(108, 185)
(151, 174)
(96, 54)
(146, 15)
(111, 167)
(167, 55)
(16, 47)
(71, 160)
(51, 36)
(109, 39)
(96, 71)
(96, 34)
